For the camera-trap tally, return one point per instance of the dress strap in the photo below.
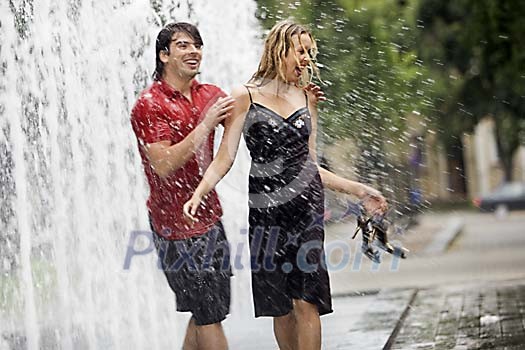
(306, 97)
(249, 93)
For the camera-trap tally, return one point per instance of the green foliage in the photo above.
(372, 77)
(453, 60)
(476, 51)
(368, 63)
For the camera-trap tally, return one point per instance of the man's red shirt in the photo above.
(162, 113)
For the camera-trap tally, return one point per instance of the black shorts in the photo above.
(198, 271)
(287, 258)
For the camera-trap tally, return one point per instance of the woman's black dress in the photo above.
(286, 213)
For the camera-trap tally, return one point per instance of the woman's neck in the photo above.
(278, 87)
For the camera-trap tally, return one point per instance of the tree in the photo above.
(369, 70)
(476, 51)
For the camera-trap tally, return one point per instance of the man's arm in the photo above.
(166, 158)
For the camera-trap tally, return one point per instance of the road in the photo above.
(487, 249)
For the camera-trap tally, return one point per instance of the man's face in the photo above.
(185, 56)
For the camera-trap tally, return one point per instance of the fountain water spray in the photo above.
(71, 184)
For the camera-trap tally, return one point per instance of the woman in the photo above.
(277, 112)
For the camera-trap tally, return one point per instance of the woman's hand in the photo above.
(373, 201)
(315, 95)
(190, 208)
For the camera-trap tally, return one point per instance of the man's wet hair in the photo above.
(164, 40)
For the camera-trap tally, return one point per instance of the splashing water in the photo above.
(71, 184)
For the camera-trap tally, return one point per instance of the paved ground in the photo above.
(471, 295)
(473, 316)
(467, 294)
(483, 316)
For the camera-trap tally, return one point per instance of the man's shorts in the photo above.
(198, 271)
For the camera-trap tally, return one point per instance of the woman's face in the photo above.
(297, 58)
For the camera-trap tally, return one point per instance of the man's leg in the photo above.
(211, 336)
(190, 340)
(204, 337)
(285, 331)
(307, 326)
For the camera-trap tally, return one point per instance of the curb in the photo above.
(356, 293)
(392, 338)
(444, 238)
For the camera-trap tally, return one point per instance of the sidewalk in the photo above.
(477, 316)
(471, 295)
(437, 311)
(483, 316)
(360, 275)
(461, 317)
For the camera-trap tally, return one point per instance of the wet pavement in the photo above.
(463, 287)
(458, 290)
(486, 316)
(466, 292)
(460, 317)
(474, 316)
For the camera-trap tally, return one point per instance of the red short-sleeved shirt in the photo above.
(162, 113)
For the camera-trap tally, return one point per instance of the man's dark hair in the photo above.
(164, 40)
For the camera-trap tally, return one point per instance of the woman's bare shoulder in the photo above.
(241, 95)
(241, 90)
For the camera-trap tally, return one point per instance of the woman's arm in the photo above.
(375, 200)
(223, 161)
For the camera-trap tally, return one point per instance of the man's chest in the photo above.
(182, 116)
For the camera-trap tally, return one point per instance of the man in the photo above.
(174, 120)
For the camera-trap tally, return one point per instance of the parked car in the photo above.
(509, 196)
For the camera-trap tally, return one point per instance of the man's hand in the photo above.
(315, 95)
(219, 111)
(190, 209)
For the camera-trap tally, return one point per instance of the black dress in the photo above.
(286, 213)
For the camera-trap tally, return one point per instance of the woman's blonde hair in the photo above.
(276, 46)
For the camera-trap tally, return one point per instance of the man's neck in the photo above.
(181, 84)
